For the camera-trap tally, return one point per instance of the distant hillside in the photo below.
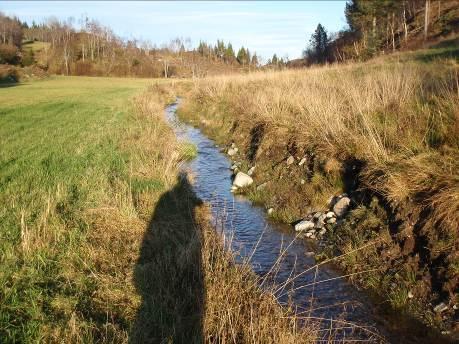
(57, 47)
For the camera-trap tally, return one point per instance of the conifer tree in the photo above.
(229, 53)
(319, 44)
(242, 56)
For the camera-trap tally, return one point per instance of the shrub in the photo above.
(8, 74)
(9, 54)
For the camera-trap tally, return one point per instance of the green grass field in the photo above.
(99, 239)
(61, 155)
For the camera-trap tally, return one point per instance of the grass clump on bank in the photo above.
(101, 239)
(384, 132)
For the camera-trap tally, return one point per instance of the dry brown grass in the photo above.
(237, 310)
(387, 132)
(400, 118)
(241, 312)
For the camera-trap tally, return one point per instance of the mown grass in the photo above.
(384, 130)
(61, 157)
(101, 238)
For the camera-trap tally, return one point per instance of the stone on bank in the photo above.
(242, 180)
(304, 225)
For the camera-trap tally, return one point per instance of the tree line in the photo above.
(226, 53)
(94, 49)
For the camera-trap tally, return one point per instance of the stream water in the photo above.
(321, 295)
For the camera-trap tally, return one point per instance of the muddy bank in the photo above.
(389, 250)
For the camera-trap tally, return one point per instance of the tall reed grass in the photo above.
(386, 131)
(400, 118)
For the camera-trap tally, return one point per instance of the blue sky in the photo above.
(265, 27)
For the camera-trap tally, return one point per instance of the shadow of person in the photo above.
(168, 273)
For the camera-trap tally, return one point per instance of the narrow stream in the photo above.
(346, 312)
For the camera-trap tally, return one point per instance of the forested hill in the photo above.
(58, 47)
(381, 27)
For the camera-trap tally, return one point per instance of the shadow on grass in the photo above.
(168, 274)
(448, 49)
(6, 84)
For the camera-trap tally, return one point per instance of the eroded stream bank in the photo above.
(318, 293)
